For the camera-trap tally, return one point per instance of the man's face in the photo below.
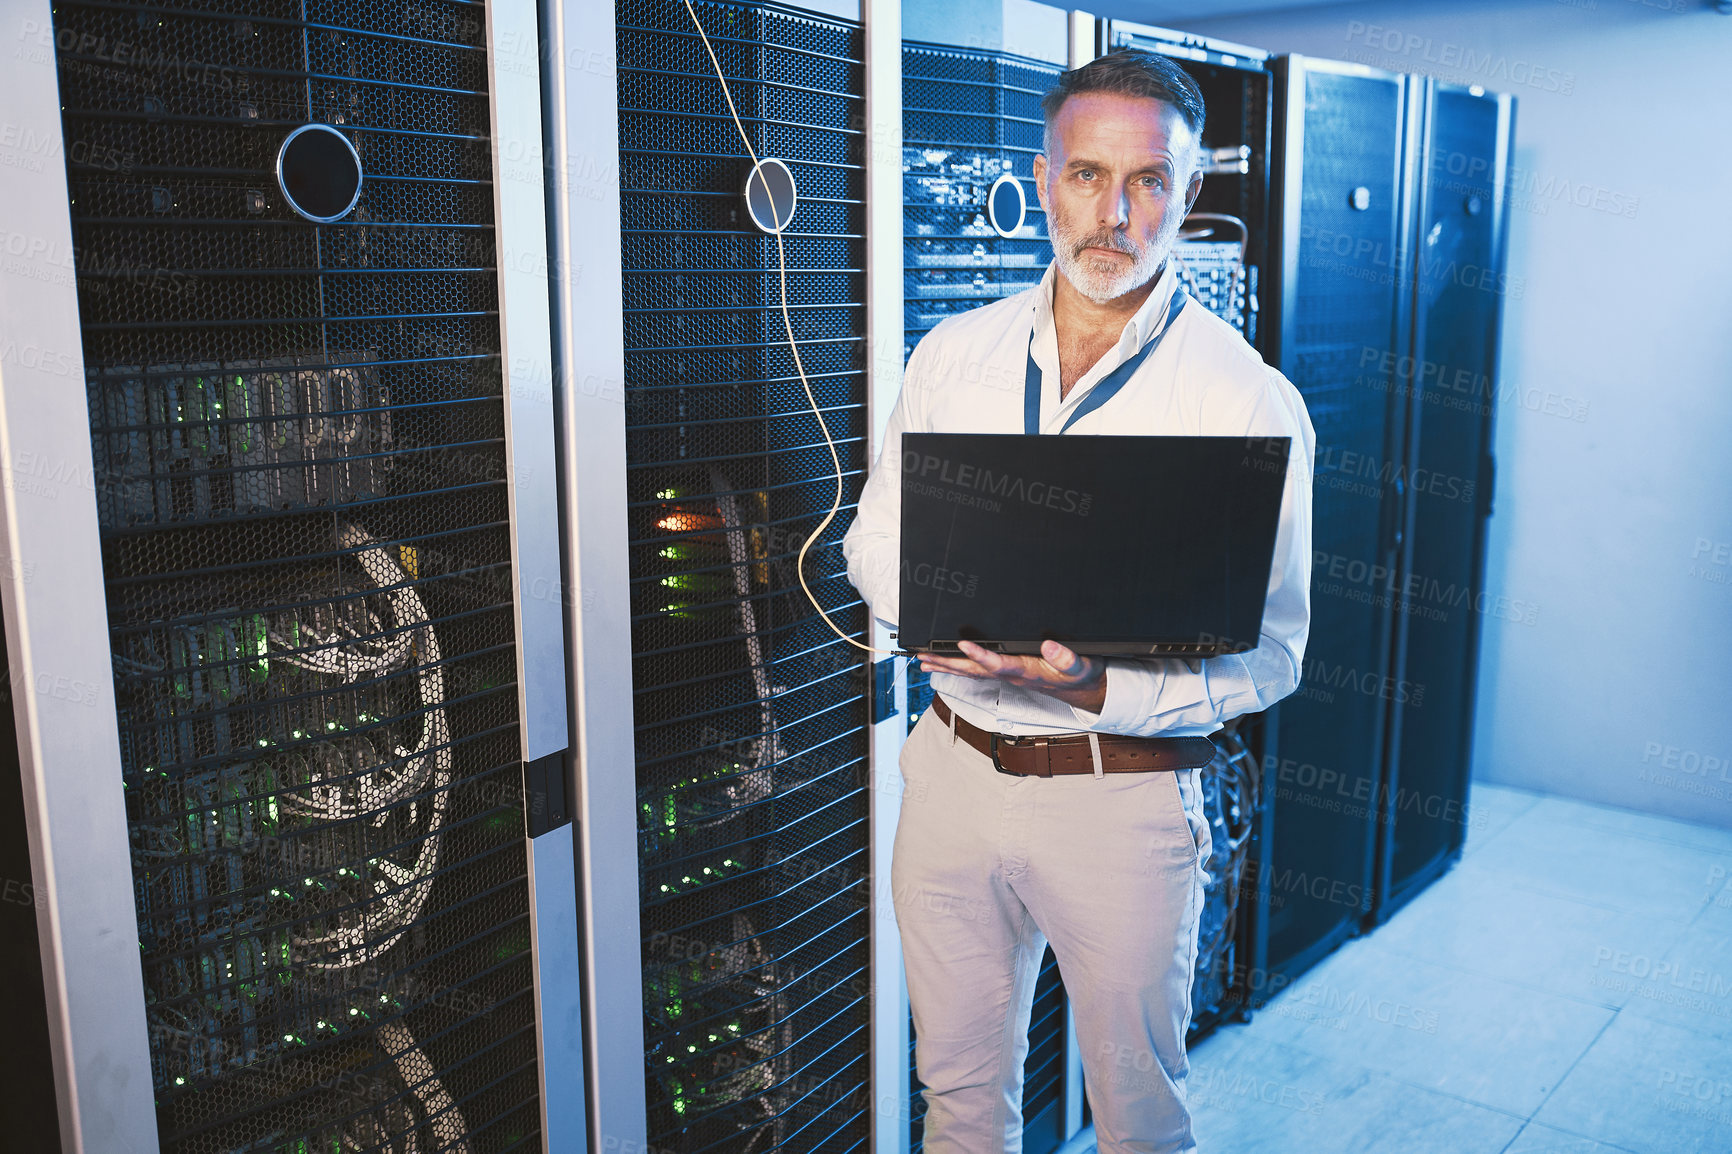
(1119, 179)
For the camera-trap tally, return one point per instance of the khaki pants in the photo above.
(988, 868)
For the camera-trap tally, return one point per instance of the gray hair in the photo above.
(1129, 72)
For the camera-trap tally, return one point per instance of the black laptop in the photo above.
(1146, 546)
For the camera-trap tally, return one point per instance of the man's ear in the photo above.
(1193, 188)
(1040, 180)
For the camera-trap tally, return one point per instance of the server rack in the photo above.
(1344, 183)
(751, 715)
(1450, 387)
(970, 120)
(320, 705)
(1389, 262)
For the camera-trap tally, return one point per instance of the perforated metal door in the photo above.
(297, 432)
(750, 713)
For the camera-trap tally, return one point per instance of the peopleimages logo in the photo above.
(1333, 463)
(986, 482)
(938, 577)
(1489, 67)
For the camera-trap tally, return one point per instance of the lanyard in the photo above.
(1108, 386)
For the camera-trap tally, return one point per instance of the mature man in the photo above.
(988, 867)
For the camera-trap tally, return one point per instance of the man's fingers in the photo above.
(1056, 666)
(1063, 661)
(966, 667)
(980, 663)
(985, 658)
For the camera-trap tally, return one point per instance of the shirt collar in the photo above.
(1142, 325)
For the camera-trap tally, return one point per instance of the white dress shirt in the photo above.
(967, 376)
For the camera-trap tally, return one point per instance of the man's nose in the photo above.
(1116, 209)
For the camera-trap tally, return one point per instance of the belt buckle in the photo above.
(1015, 744)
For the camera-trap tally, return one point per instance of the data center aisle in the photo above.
(1566, 989)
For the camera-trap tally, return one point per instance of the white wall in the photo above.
(1618, 527)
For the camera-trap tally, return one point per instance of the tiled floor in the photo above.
(1565, 989)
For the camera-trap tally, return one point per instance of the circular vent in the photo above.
(319, 172)
(1006, 205)
(770, 195)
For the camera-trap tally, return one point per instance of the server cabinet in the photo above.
(974, 230)
(319, 492)
(1449, 382)
(750, 713)
(1342, 181)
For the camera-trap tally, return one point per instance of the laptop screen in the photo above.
(1112, 545)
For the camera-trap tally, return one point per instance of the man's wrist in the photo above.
(1090, 698)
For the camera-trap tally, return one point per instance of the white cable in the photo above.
(793, 347)
(769, 750)
(1223, 218)
(400, 891)
(444, 1117)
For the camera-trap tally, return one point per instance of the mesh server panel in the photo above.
(1232, 798)
(1457, 330)
(750, 713)
(968, 118)
(300, 479)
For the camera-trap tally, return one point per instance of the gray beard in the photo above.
(1097, 282)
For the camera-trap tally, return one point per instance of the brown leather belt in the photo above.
(1043, 756)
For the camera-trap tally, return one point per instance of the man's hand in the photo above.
(1072, 678)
